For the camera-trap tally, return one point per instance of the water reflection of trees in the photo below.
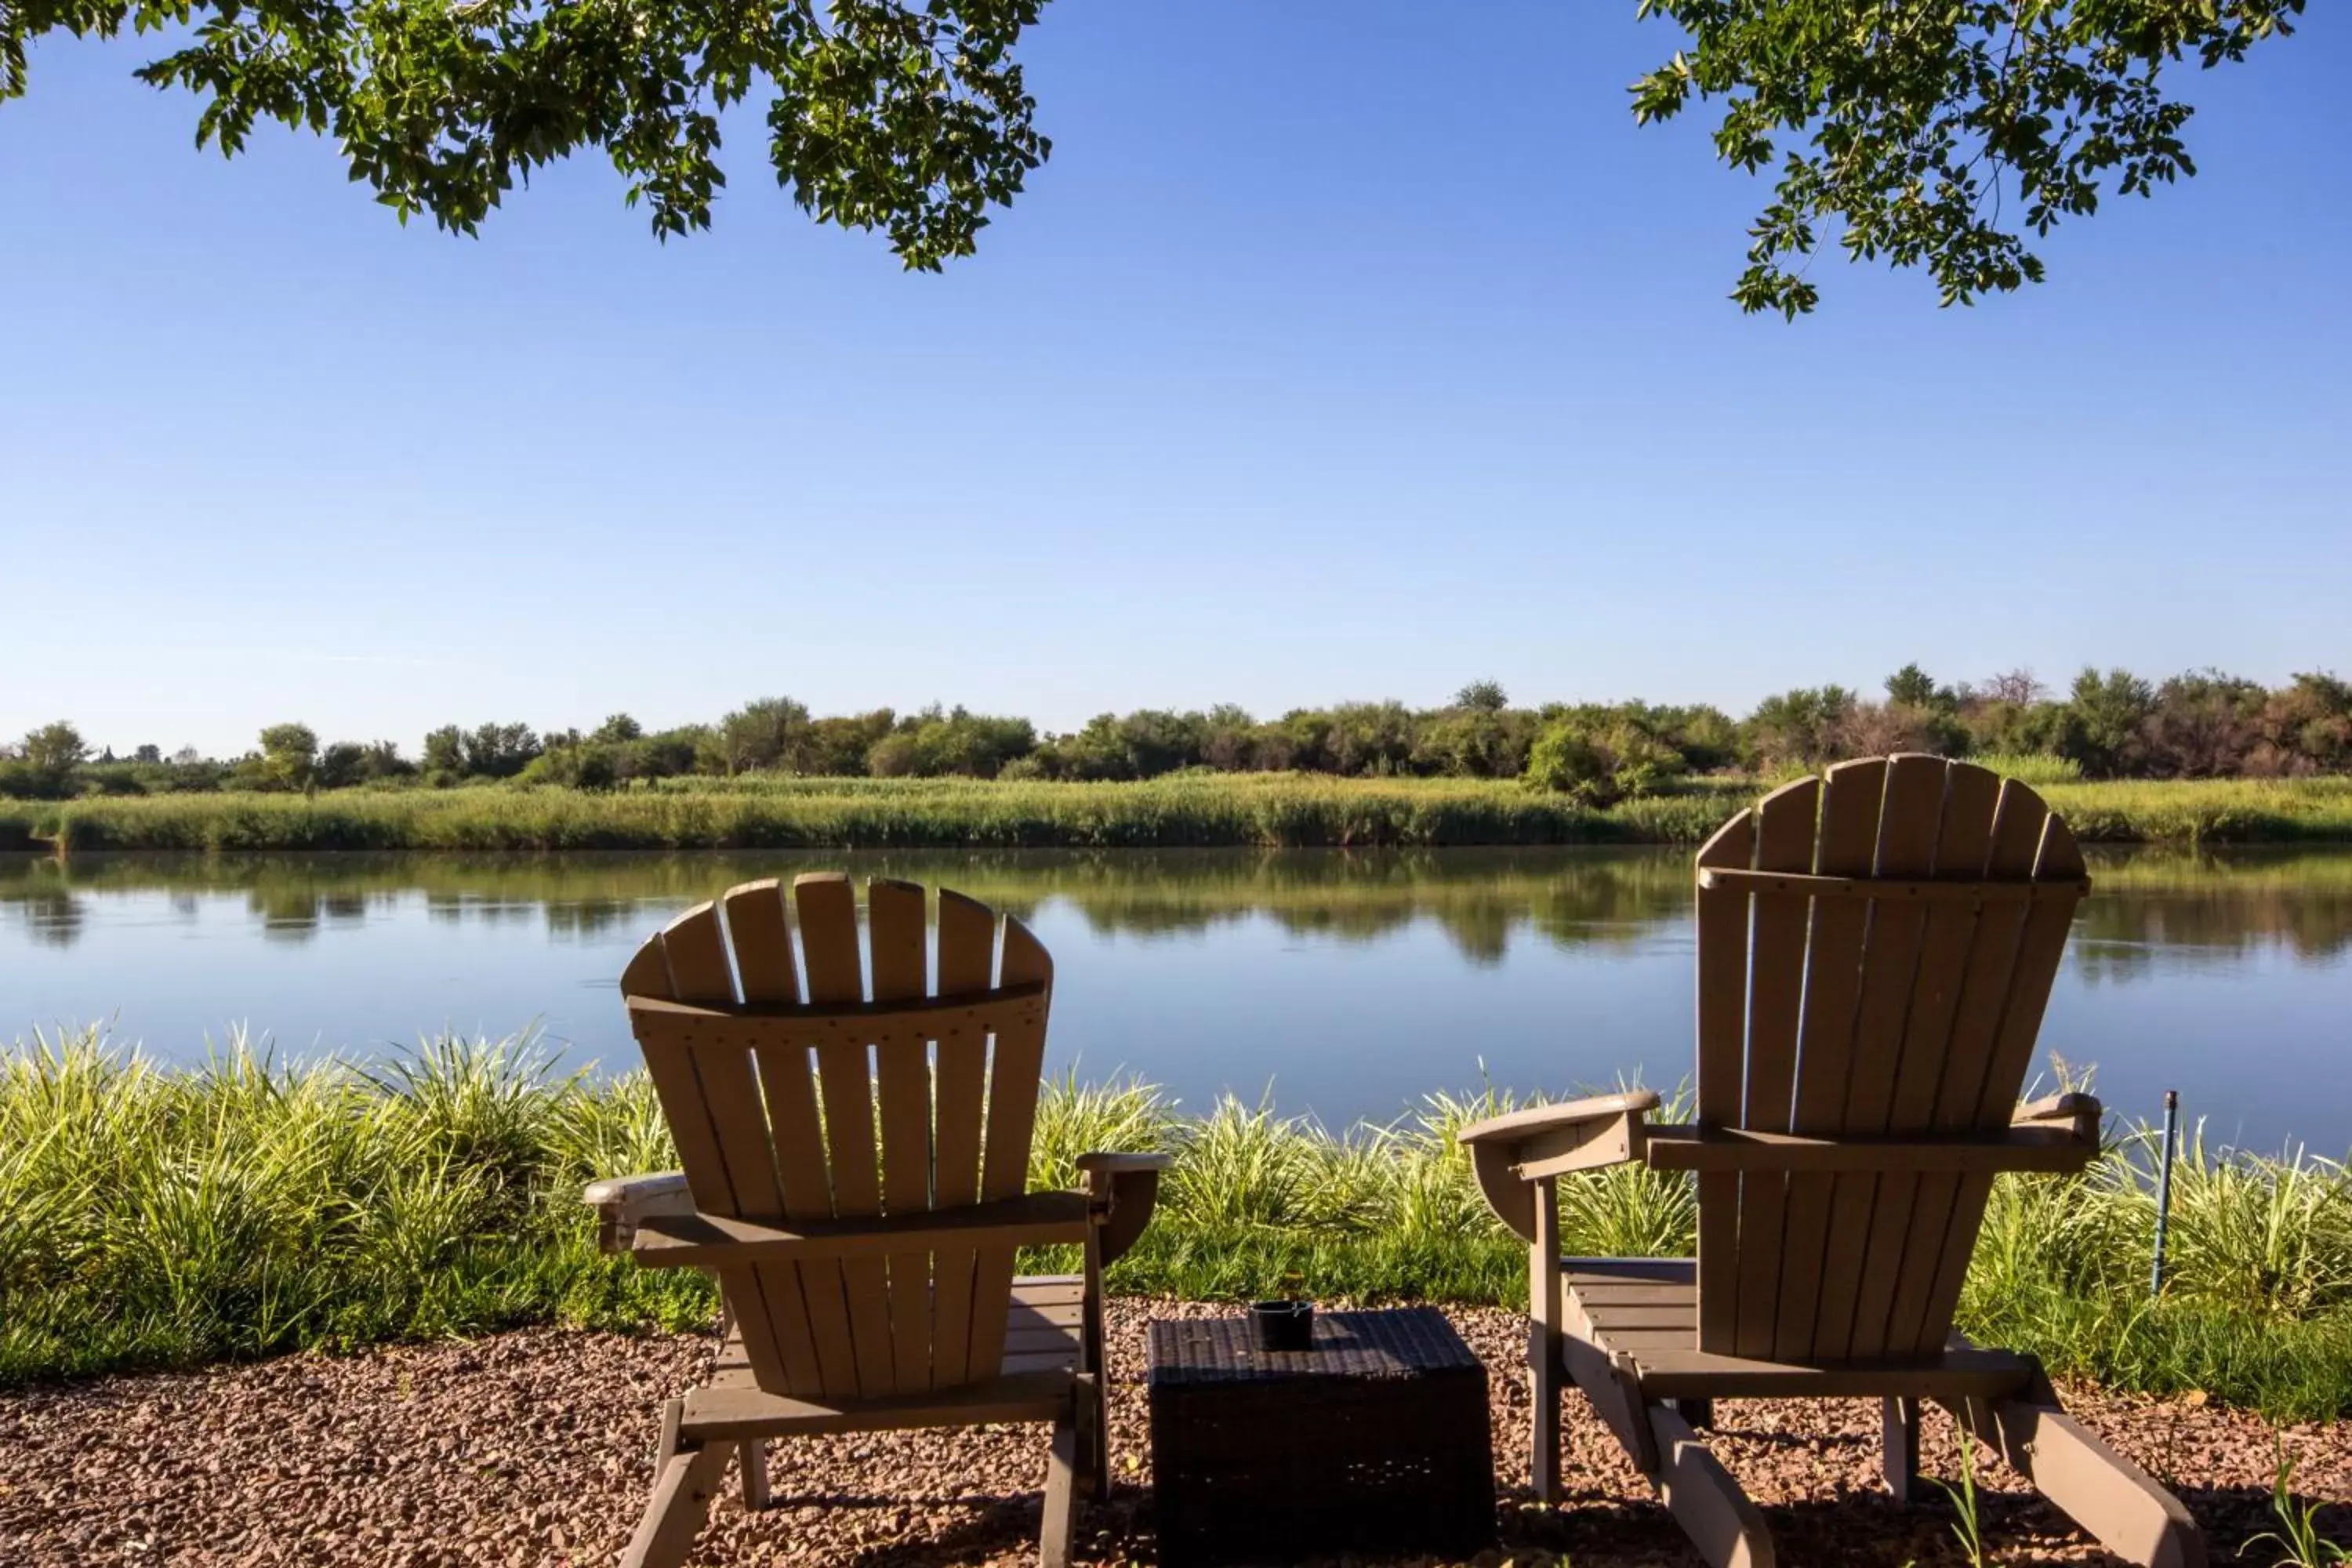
(2154, 907)
(1478, 898)
(475, 908)
(2130, 934)
(589, 918)
(53, 917)
(295, 912)
(2150, 907)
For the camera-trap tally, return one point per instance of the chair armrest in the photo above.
(1115, 1163)
(1519, 1125)
(2082, 1109)
(1123, 1189)
(1510, 1153)
(621, 1202)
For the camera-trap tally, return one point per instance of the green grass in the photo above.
(2257, 1308)
(157, 1218)
(1263, 810)
(2205, 811)
(1266, 810)
(2036, 768)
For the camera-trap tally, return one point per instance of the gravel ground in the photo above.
(533, 1448)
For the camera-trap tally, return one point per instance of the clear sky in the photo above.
(1340, 352)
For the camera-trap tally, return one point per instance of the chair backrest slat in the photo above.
(967, 960)
(1013, 1076)
(802, 1093)
(804, 1307)
(1837, 931)
(2041, 943)
(1775, 996)
(1887, 1310)
(757, 932)
(697, 947)
(902, 1072)
(730, 1165)
(1869, 1017)
(1908, 812)
(828, 905)
(2018, 820)
(1722, 1040)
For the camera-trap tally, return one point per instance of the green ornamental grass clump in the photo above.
(155, 1216)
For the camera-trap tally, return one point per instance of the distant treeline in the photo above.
(2110, 724)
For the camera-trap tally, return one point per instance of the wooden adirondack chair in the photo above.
(1874, 952)
(867, 1279)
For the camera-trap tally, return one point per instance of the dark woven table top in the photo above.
(1408, 1342)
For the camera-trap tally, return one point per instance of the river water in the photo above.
(1342, 984)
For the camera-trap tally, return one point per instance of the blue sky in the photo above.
(1338, 352)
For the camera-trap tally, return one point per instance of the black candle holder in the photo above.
(1283, 1325)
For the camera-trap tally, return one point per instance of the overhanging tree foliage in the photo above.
(908, 118)
(1933, 133)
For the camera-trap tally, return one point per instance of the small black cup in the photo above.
(1283, 1325)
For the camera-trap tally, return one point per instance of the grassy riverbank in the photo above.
(150, 1216)
(1263, 810)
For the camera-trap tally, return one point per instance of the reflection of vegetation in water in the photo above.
(588, 918)
(2150, 905)
(2153, 906)
(51, 915)
(295, 913)
(1478, 896)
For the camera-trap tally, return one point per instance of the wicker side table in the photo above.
(1374, 1441)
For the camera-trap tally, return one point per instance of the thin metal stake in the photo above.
(2164, 1189)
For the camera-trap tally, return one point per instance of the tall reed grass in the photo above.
(1265, 810)
(153, 1216)
(2036, 768)
(2191, 812)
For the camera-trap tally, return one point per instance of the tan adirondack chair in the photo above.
(862, 1220)
(1874, 952)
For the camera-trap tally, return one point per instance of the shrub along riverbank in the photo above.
(1263, 810)
(150, 1217)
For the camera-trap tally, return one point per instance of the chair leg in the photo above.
(1061, 1494)
(1899, 1427)
(1699, 1413)
(751, 1457)
(1615, 1390)
(1546, 1307)
(2101, 1490)
(1703, 1498)
(685, 1480)
(1543, 1441)
(1094, 1441)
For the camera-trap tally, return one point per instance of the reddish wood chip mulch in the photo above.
(533, 1448)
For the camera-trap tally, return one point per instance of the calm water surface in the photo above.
(1348, 983)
